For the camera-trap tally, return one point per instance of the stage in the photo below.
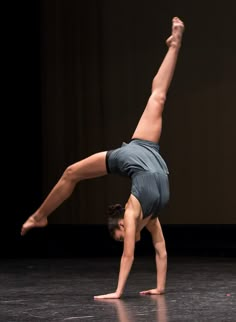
(62, 289)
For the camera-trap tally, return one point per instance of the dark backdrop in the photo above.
(80, 77)
(98, 59)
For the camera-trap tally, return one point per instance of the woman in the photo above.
(140, 160)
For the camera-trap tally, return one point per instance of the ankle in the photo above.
(37, 216)
(175, 45)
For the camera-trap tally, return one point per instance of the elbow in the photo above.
(160, 249)
(137, 237)
(128, 257)
(162, 255)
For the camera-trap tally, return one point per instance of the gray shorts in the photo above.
(141, 161)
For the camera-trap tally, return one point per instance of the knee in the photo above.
(159, 97)
(70, 174)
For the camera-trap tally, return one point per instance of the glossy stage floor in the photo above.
(62, 289)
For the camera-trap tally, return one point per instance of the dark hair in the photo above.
(115, 213)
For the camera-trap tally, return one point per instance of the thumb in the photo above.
(145, 292)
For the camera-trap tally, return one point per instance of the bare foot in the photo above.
(177, 31)
(32, 222)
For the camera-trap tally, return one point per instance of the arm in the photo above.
(130, 223)
(127, 258)
(155, 229)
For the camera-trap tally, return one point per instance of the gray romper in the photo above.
(140, 160)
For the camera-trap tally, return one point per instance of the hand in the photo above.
(108, 296)
(154, 291)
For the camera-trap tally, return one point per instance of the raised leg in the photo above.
(150, 123)
(91, 167)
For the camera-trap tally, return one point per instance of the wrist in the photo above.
(119, 293)
(160, 290)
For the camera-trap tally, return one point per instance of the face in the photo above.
(120, 233)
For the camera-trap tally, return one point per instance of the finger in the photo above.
(145, 292)
(106, 296)
(151, 292)
(100, 297)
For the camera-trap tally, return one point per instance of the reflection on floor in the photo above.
(62, 289)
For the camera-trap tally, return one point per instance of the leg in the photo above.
(150, 123)
(91, 167)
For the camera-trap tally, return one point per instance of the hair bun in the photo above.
(114, 209)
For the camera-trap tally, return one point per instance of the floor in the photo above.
(61, 289)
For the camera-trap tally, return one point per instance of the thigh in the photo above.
(91, 167)
(150, 124)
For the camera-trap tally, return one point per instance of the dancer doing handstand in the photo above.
(139, 160)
